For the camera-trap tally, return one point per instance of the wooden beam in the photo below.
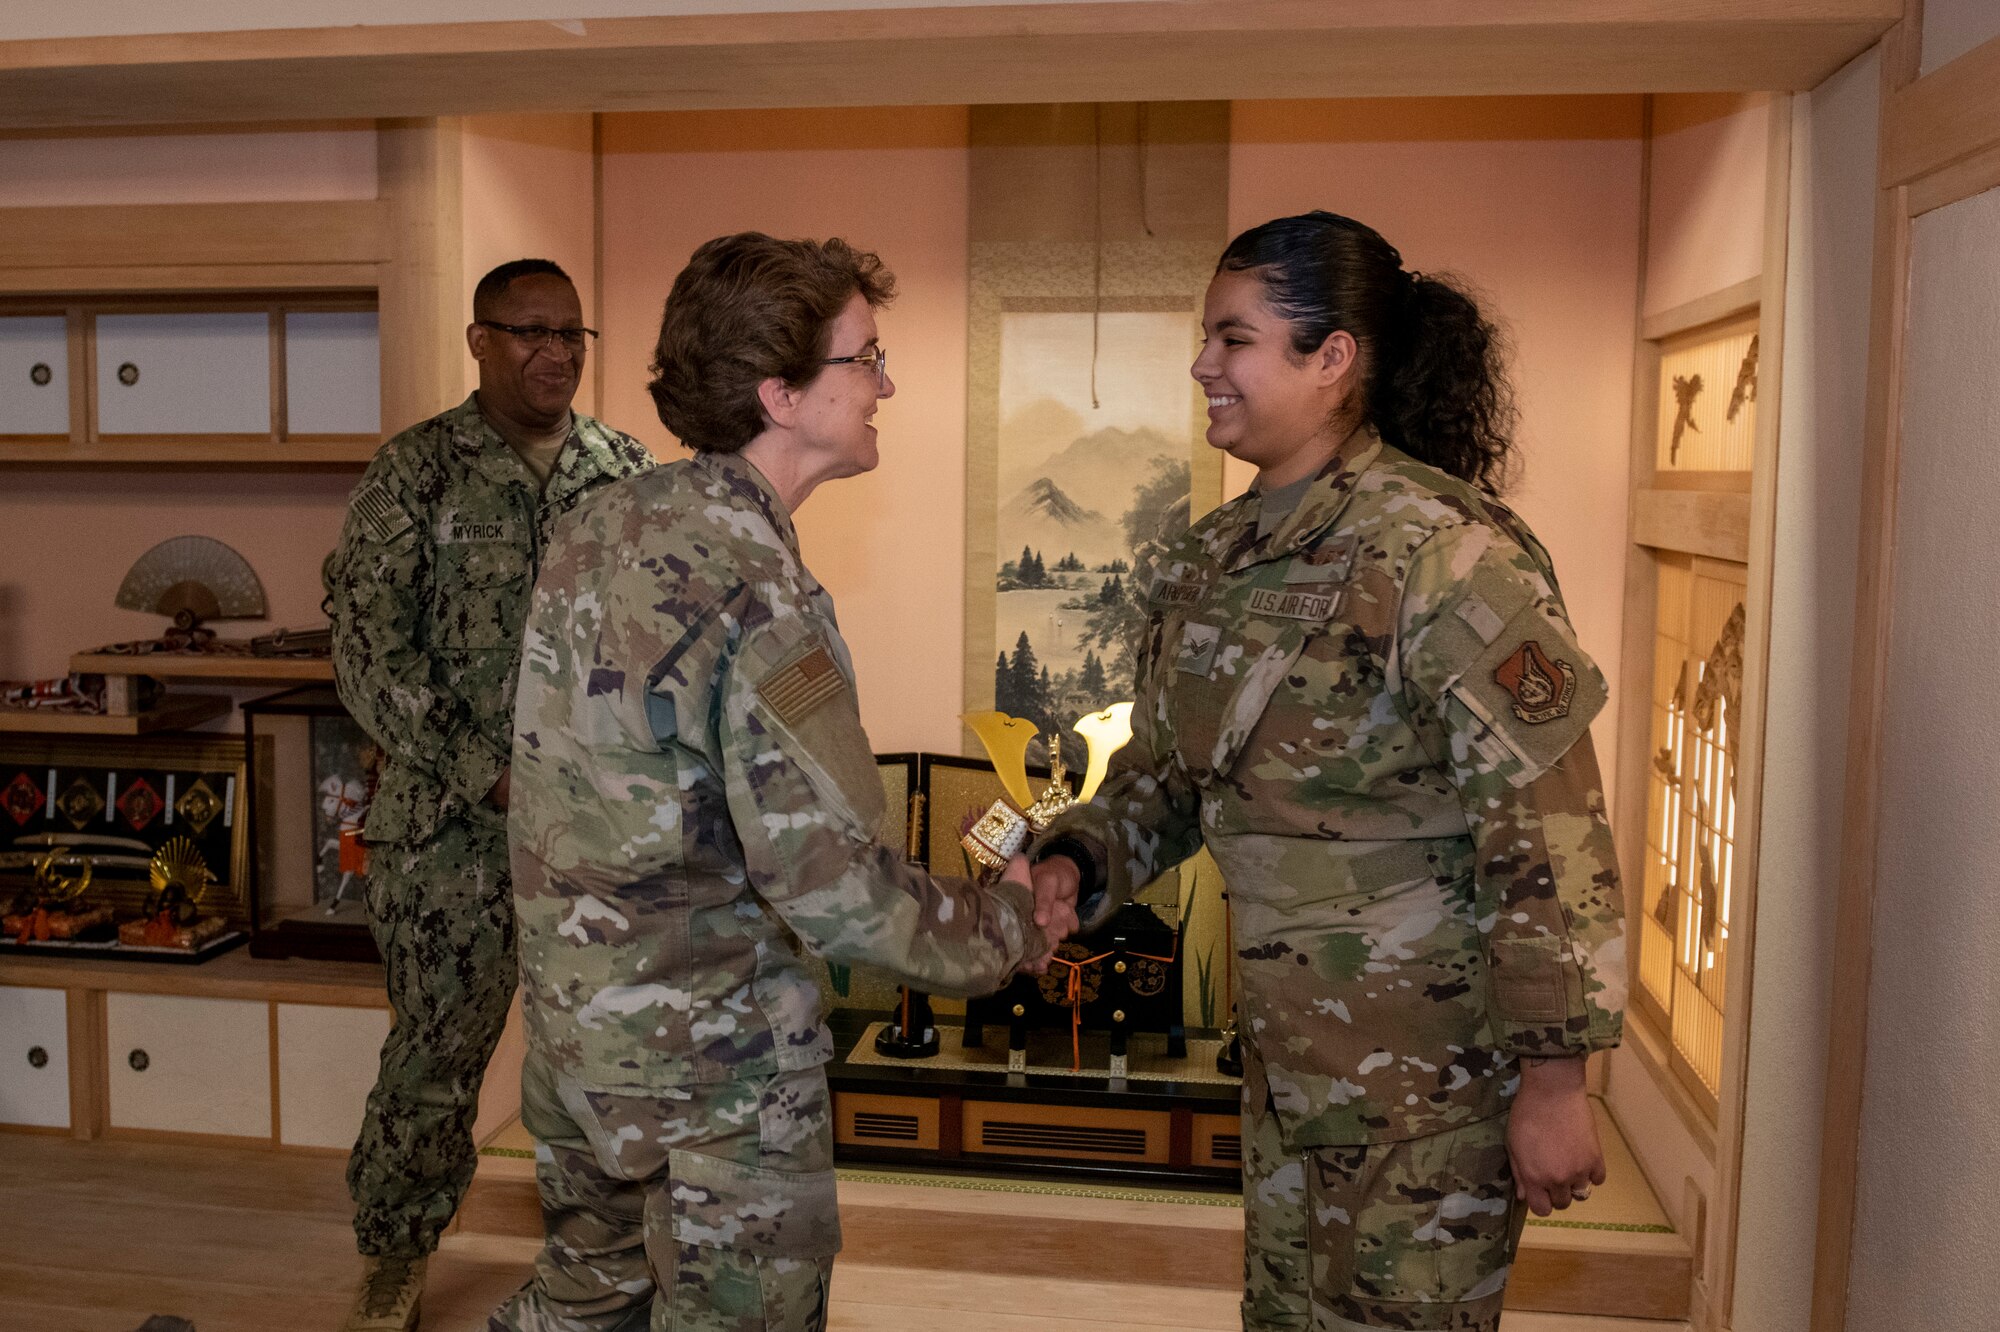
(1874, 593)
(1949, 114)
(424, 307)
(1132, 50)
(1715, 523)
(170, 235)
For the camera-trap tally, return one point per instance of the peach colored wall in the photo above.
(1536, 202)
(233, 164)
(1706, 225)
(71, 537)
(529, 192)
(890, 545)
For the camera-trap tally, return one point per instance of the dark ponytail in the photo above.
(1435, 381)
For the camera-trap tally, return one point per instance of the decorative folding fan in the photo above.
(177, 865)
(193, 578)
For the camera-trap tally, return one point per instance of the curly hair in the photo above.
(748, 308)
(1434, 373)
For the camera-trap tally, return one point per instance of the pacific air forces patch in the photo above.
(1541, 687)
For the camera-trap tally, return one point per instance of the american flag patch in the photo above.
(794, 690)
(381, 517)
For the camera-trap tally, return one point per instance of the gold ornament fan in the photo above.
(191, 579)
(179, 877)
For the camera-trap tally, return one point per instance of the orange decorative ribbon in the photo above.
(1073, 996)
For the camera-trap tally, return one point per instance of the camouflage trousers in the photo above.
(1417, 1234)
(707, 1208)
(442, 913)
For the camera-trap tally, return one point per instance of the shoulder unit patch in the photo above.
(1541, 688)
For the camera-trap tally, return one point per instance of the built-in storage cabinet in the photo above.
(187, 1065)
(34, 1057)
(204, 374)
(277, 1053)
(333, 373)
(228, 379)
(327, 1060)
(34, 375)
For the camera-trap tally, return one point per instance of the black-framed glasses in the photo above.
(878, 359)
(538, 336)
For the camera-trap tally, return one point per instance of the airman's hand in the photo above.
(1551, 1136)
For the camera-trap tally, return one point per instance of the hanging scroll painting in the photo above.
(1093, 233)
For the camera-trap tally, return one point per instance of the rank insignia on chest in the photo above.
(1197, 650)
(1327, 564)
(1541, 687)
(1293, 603)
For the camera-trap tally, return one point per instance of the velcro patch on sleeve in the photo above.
(796, 689)
(381, 517)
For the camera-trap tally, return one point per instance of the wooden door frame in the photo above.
(1940, 144)
(1757, 511)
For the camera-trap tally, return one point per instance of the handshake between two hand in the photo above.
(1054, 882)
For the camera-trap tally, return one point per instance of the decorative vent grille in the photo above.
(1011, 1135)
(886, 1128)
(1228, 1149)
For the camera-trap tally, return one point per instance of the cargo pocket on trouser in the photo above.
(1418, 1234)
(753, 1247)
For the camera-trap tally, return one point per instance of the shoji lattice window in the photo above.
(1691, 808)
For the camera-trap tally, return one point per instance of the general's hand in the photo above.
(1552, 1137)
(497, 797)
(1056, 884)
(1021, 875)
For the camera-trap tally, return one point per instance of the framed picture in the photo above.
(117, 802)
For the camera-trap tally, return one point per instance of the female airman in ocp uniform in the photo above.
(1361, 691)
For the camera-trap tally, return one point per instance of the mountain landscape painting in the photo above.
(1093, 480)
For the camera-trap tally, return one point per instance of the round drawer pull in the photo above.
(40, 373)
(128, 374)
(38, 1057)
(139, 1060)
(1117, 1015)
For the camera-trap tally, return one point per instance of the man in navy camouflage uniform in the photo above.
(427, 591)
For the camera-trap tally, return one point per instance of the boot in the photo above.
(392, 1286)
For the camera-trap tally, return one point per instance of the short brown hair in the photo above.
(747, 308)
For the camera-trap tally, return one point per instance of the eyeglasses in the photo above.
(537, 337)
(879, 359)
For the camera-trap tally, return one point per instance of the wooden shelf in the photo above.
(215, 669)
(234, 975)
(188, 453)
(176, 712)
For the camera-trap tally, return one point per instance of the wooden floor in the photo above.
(94, 1237)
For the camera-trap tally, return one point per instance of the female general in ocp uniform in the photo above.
(1360, 690)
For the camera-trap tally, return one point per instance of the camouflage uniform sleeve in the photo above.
(1142, 822)
(805, 800)
(1494, 682)
(374, 599)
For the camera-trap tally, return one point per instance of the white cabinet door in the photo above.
(34, 1057)
(190, 374)
(34, 375)
(327, 1058)
(333, 373)
(185, 1065)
